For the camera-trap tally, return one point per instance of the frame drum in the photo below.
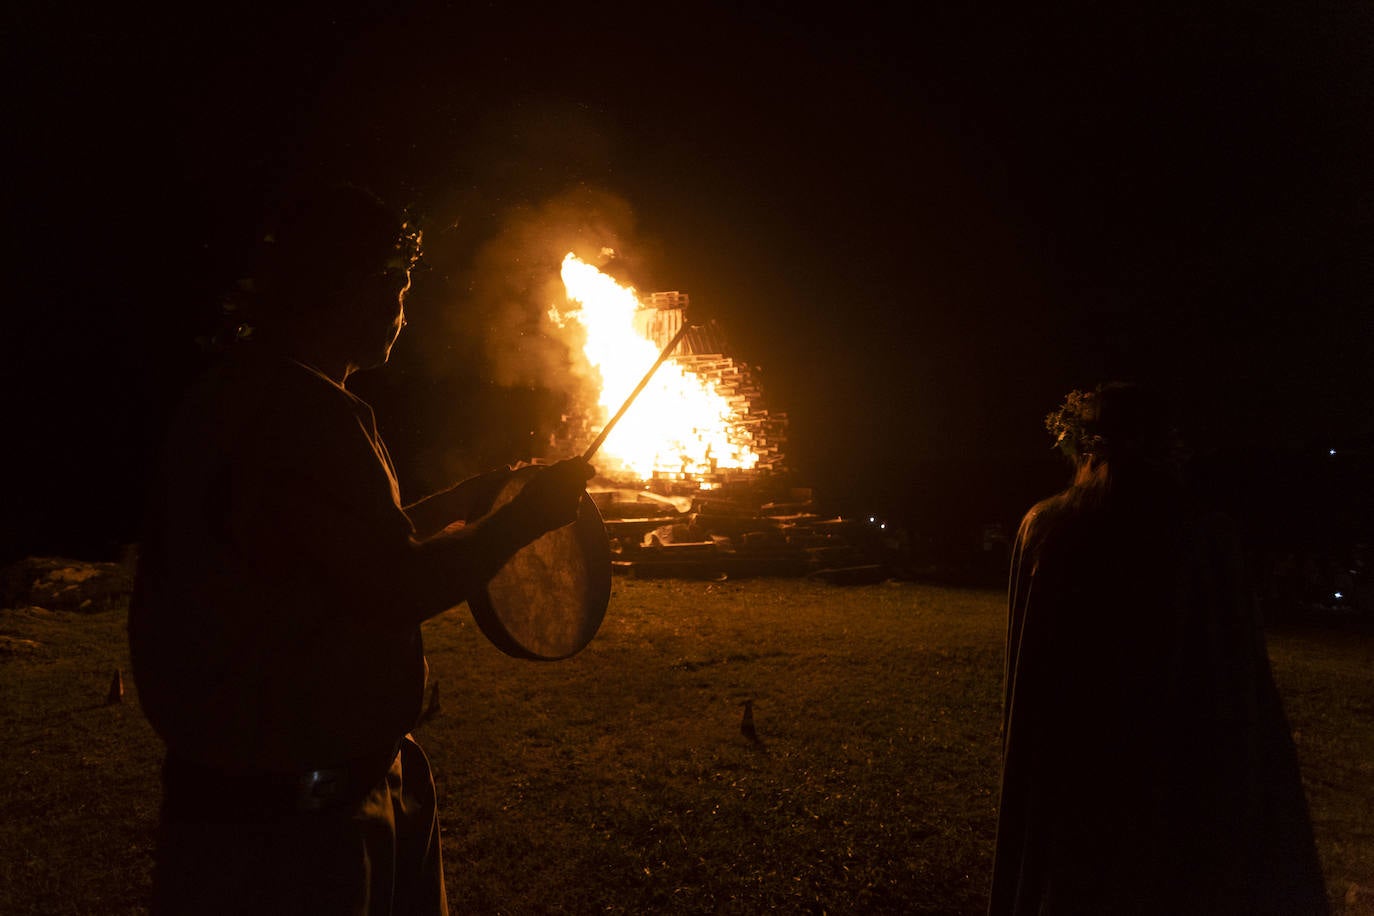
(549, 599)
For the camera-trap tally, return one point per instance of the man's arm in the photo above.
(464, 557)
(462, 502)
(295, 531)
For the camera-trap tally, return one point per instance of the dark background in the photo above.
(925, 229)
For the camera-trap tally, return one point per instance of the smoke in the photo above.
(514, 280)
(501, 376)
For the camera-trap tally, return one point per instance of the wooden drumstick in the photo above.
(662, 357)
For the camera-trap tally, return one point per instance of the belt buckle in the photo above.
(320, 789)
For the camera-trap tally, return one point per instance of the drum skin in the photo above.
(549, 599)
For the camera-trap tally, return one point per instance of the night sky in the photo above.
(924, 229)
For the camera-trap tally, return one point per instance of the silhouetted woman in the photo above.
(1147, 763)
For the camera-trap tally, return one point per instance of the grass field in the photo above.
(618, 781)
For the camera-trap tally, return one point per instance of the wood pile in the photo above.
(703, 351)
(724, 522)
(738, 531)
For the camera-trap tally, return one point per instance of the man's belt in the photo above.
(197, 792)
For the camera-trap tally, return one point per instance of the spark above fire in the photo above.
(683, 426)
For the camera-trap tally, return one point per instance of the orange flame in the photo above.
(680, 426)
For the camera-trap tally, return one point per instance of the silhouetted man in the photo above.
(275, 627)
(1147, 763)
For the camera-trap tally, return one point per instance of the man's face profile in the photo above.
(389, 292)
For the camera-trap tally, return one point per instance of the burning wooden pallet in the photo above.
(694, 485)
(703, 352)
(738, 532)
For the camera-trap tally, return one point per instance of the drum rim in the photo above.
(591, 535)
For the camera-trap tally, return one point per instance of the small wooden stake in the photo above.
(116, 694)
(662, 357)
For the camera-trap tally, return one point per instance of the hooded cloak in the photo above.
(1147, 763)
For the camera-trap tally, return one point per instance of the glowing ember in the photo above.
(680, 426)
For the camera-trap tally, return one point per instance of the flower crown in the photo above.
(410, 244)
(1072, 424)
(1079, 430)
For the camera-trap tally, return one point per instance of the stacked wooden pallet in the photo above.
(749, 529)
(705, 352)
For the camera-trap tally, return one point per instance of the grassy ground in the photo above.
(618, 781)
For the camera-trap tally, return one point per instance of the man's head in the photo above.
(333, 270)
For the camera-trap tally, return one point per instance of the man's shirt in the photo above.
(265, 629)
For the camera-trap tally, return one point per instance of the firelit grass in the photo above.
(619, 781)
